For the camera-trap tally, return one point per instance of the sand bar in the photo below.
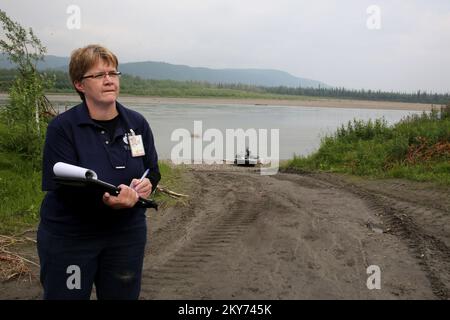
(307, 102)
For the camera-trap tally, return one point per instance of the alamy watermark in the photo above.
(74, 280)
(190, 148)
(374, 20)
(74, 20)
(374, 280)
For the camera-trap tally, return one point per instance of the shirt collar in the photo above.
(83, 117)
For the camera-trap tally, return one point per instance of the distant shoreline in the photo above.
(305, 102)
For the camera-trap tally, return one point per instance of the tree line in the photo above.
(414, 97)
(138, 86)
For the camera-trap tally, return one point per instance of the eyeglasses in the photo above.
(102, 75)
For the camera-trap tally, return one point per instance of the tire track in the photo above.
(432, 253)
(223, 254)
(200, 255)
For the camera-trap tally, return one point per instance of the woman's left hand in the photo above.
(127, 198)
(142, 187)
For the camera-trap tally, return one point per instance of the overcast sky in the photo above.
(325, 40)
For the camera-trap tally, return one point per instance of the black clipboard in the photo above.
(103, 187)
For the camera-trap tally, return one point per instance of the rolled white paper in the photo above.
(65, 170)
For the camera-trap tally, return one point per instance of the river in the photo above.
(300, 128)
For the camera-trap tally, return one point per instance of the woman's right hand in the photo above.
(127, 198)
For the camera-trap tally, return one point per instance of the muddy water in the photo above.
(300, 128)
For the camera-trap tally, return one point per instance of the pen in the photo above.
(143, 176)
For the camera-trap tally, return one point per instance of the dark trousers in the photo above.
(71, 265)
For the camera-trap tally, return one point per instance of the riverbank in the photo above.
(71, 99)
(307, 102)
(417, 148)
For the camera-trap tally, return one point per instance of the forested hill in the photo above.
(138, 84)
(257, 77)
(167, 71)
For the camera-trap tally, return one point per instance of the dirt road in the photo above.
(291, 236)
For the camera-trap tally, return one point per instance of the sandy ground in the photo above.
(292, 236)
(325, 103)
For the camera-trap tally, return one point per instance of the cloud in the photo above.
(325, 40)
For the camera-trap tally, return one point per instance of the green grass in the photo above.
(171, 178)
(20, 193)
(417, 148)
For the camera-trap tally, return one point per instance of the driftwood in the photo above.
(13, 265)
(171, 193)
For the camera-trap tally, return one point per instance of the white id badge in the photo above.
(136, 145)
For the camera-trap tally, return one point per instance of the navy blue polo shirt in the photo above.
(73, 137)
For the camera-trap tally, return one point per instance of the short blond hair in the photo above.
(82, 59)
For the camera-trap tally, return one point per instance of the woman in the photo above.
(85, 236)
